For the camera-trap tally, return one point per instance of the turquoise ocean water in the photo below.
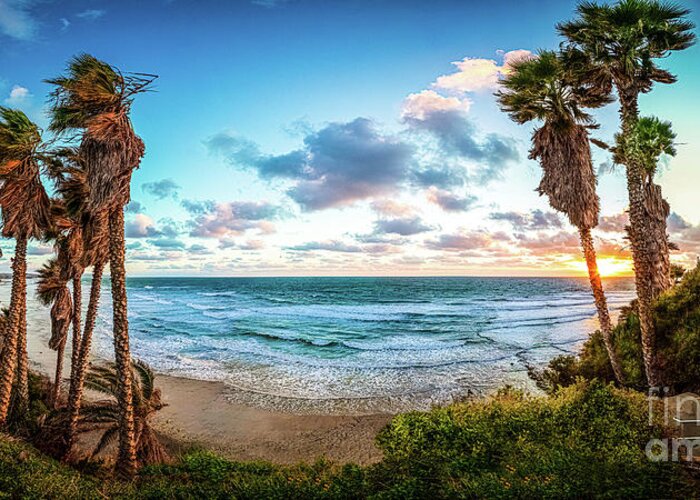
(356, 344)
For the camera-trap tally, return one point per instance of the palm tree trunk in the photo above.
(126, 460)
(639, 234)
(657, 211)
(77, 312)
(8, 363)
(59, 374)
(77, 381)
(22, 385)
(601, 302)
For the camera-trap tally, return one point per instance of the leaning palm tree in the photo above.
(648, 140)
(95, 99)
(104, 415)
(52, 290)
(542, 89)
(620, 43)
(25, 215)
(68, 171)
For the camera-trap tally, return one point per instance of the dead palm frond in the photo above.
(52, 290)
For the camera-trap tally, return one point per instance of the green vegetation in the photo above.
(677, 319)
(586, 440)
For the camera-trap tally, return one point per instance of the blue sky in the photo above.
(320, 137)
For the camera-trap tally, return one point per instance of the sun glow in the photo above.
(608, 267)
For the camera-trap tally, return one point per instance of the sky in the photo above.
(354, 137)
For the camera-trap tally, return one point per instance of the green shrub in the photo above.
(586, 441)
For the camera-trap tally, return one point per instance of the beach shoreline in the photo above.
(199, 414)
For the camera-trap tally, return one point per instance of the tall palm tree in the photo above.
(52, 290)
(68, 172)
(95, 99)
(620, 43)
(542, 89)
(25, 214)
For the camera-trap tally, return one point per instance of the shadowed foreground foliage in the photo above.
(585, 441)
(677, 319)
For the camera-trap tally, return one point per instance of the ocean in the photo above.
(355, 344)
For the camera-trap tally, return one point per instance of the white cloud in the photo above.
(392, 208)
(418, 106)
(18, 96)
(15, 19)
(476, 74)
(91, 14)
(141, 226)
(509, 58)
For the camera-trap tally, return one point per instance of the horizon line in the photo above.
(376, 276)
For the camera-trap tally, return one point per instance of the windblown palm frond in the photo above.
(105, 414)
(19, 139)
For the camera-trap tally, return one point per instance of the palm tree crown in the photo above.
(25, 204)
(648, 140)
(622, 40)
(543, 88)
(96, 98)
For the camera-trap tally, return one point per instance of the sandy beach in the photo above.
(199, 414)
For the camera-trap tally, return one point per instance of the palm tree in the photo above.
(52, 290)
(620, 43)
(69, 175)
(648, 140)
(542, 89)
(104, 415)
(96, 99)
(25, 215)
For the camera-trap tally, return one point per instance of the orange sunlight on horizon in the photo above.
(609, 267)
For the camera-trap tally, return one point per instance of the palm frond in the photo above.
(110, 436)
(145, 377)
(647, 142)
(19, 138)
(50, 282)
